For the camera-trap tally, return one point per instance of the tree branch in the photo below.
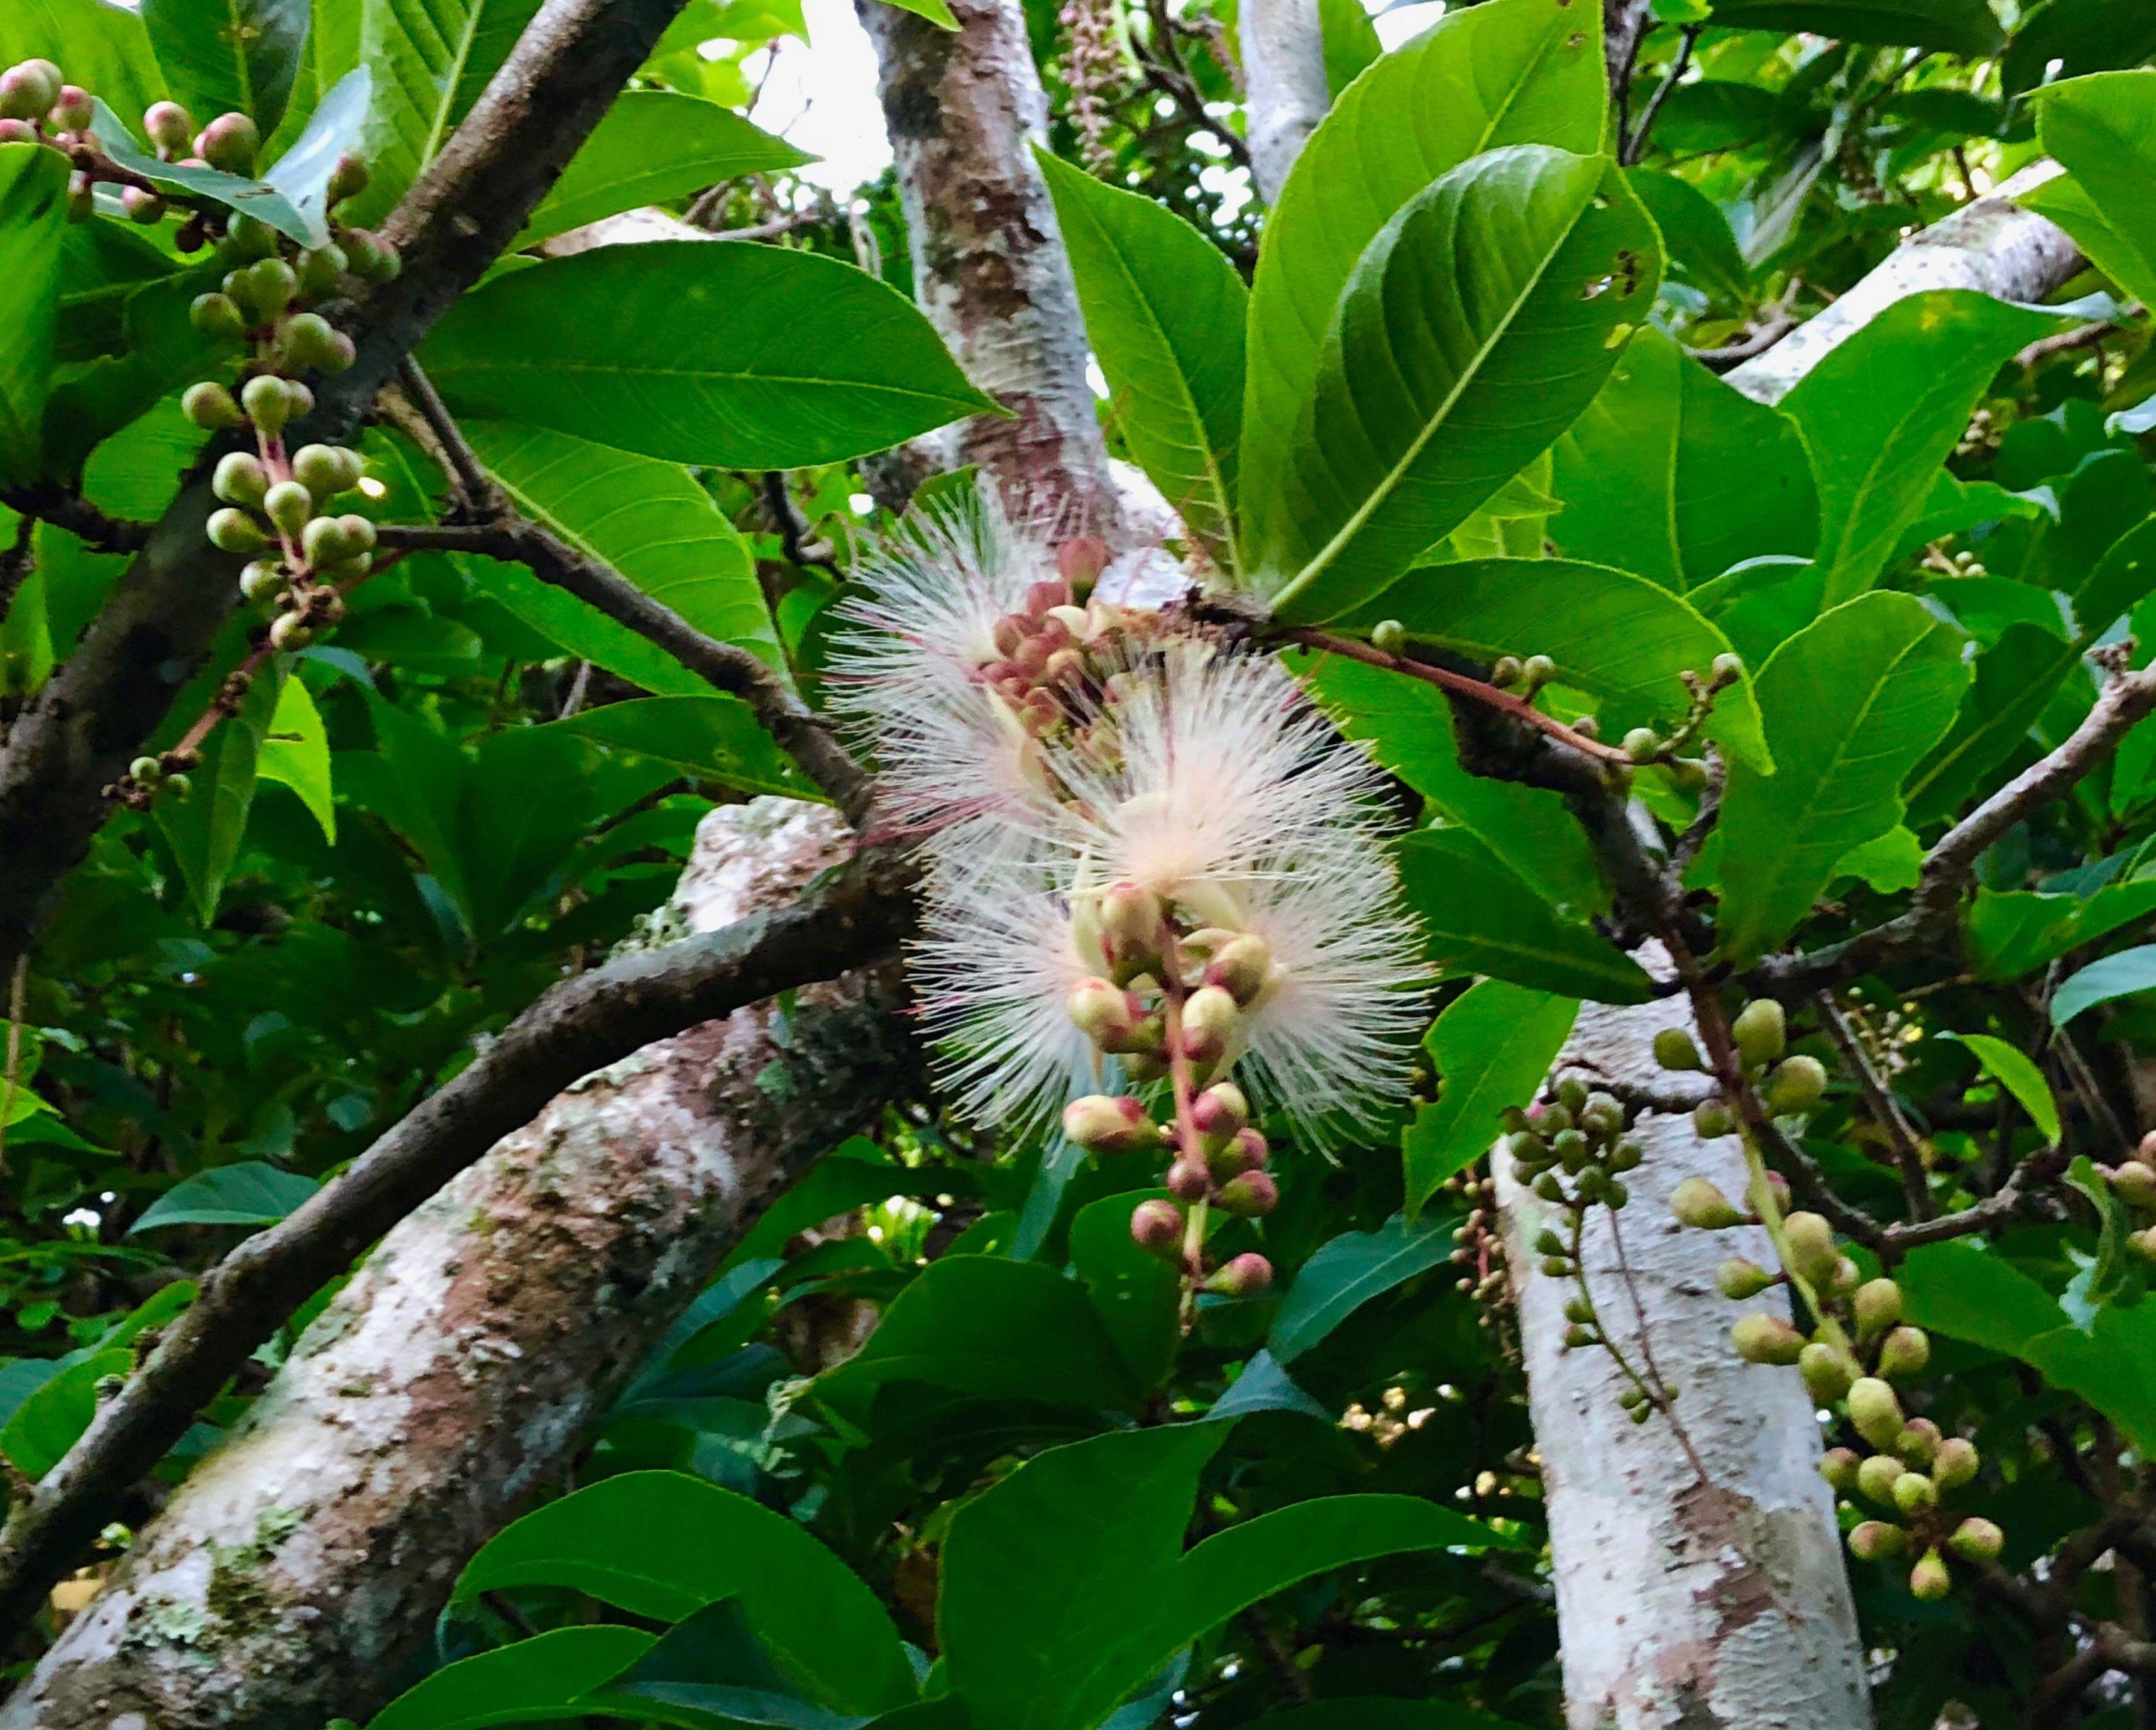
(50, 502)
(857, 915)
(1908, 1157)
(152, 636)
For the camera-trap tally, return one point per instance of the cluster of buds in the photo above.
(1170, 1004)
(1390, 1421)
(1478, 1245)
(1572, 1151)
(1644, 745)
(1900, 1485)
(2132, 1180)
(1095, 70)
(1787, 1086)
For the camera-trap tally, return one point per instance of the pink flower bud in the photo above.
(169, 125)
(1040, 596)
(1250, 1148)
(229, 142)
(1028, 658)
(1241, 968)
(1082, 559)
(1249, 1196)
(1245, 1276)
(1209, 1020)
(73, 112)
(15, 132)
(29, 90)
(1188, 1181)
(1220, 1112)
(1131, 916)
(1105, 1015)
(1156, 1226)
(1102, 1123)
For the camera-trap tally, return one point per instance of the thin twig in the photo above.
(1908, 1154)
(1635, 147)
(793, 530)
(17, 990)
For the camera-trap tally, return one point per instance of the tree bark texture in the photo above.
(1683, 1602)
(964, 109)
(1285, 94)
(296, 1572)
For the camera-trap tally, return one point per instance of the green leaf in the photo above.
(2115, 976)
(296, 751)
(1346, 1272)
(2014, 933)
(649, 521)
(1889, 864)
(1408, 726)
(33, 227)
(1492, 1047)
(2013, 1071)
(655, 145)
(205, 830)
(1884, 409)
(1054, 1581)
(431, 58)
(1672, 474)
(1616, 636)
(1695, 233)
(250, 1193)
(2015, 682)
(1852, 703)
(2085, 35)
(1479, 323)
(663, 1545)
(1479, 918)
(231, 191)
(715, 737)
(220, 55)
(1002, 1330)
(1504, 72)
(701, 353)
(1137, 1293)
(1165, 311)
(52, 1419)
(938, 13)
(533, 1681)
(1351, 44)
(712, 1673)
(1955, 27)
(2102, 128)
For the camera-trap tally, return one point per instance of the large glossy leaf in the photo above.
(2012, 1068)
(1056, 1581)
(430, 59)
(1852, 704)
(2014, 681)
(1957, 27)
(531, 1681)
(1346, 1272)
(1883, 410)
(204, 829)
(2103, 129)
(1477, 325)
(251, 1192)
(32, 226)
(712, 1673)
(1164, 310)
(663, 1545)
(2068, 37)
(701, 353)
(653, 524)
(1673, 474)
(1137, 1293)
(1505, 72)
(218, 55)
(1695, 234)
(1616, 636)
(653, 145)
(1479, 918)
(1491, 1048)
(2124, 974)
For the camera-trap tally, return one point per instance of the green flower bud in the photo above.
(240, 478)
(1537, 669)
(1576, 1308)
(1252, 1196)
(147, 770)
(1878, 1304)
(1728, 668)
(1904, 1351)
(319, 271)
(29, 90)
(1674, 1048)
(2143, 1243)
(229, 142)
(1711, 1120)
(1101, 1123)
(1811, 1246)
(1915, 1494)
(1626, 1156)
(2135, 1184)
(218, 317)
(267, 403)
(1760, 1030)
(1698, 1202)
(1245, 1276)
(1643, 744)
(235, 531)
(142, 206)
(1929, 1579)
(1876, 1476)
(288, 505)
(322, 542)
(262, 578)
(179, 788)
(348, 179)
(370, 257)
(210, 406)
(1876, 1541)
(1504, 672)
(1955, 1464)
(1875, 1412)
(72, 111)
(1210, 1019)
(326, 470)
(1918, 1443)
(1828, 1372)
(1977, 1541)
(1838, 1467)
(1740, 1279)
(1570, 1147)
(1796, 1086)
(308, 339)
(1156, 1227)
(169, 127)
(1767, 1339)
(287, 633)
(1388, 636)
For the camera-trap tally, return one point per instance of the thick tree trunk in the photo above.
(1285, 94)
(299, 1569)
(964, 109)
(1684, 1602)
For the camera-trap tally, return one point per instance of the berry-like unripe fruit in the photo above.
(1156, 1226)
(1761, 1031)
(1796, 1086)
(1674, 1048)
(1877, 1540)
(1875, 1412)
(1929, 1579)
(1698, 1202)
(1878, 1306)
(1766, 1339)
(1977, 1540)
(231, 531)
(169, 127)
(240, 478)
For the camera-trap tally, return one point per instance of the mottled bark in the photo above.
(964, 109)
(1286, 96)
(1683, 1604)
(1992, 246)
(299, 1567)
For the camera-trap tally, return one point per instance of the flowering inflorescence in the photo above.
(1156, 875)
(1857, 1345)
